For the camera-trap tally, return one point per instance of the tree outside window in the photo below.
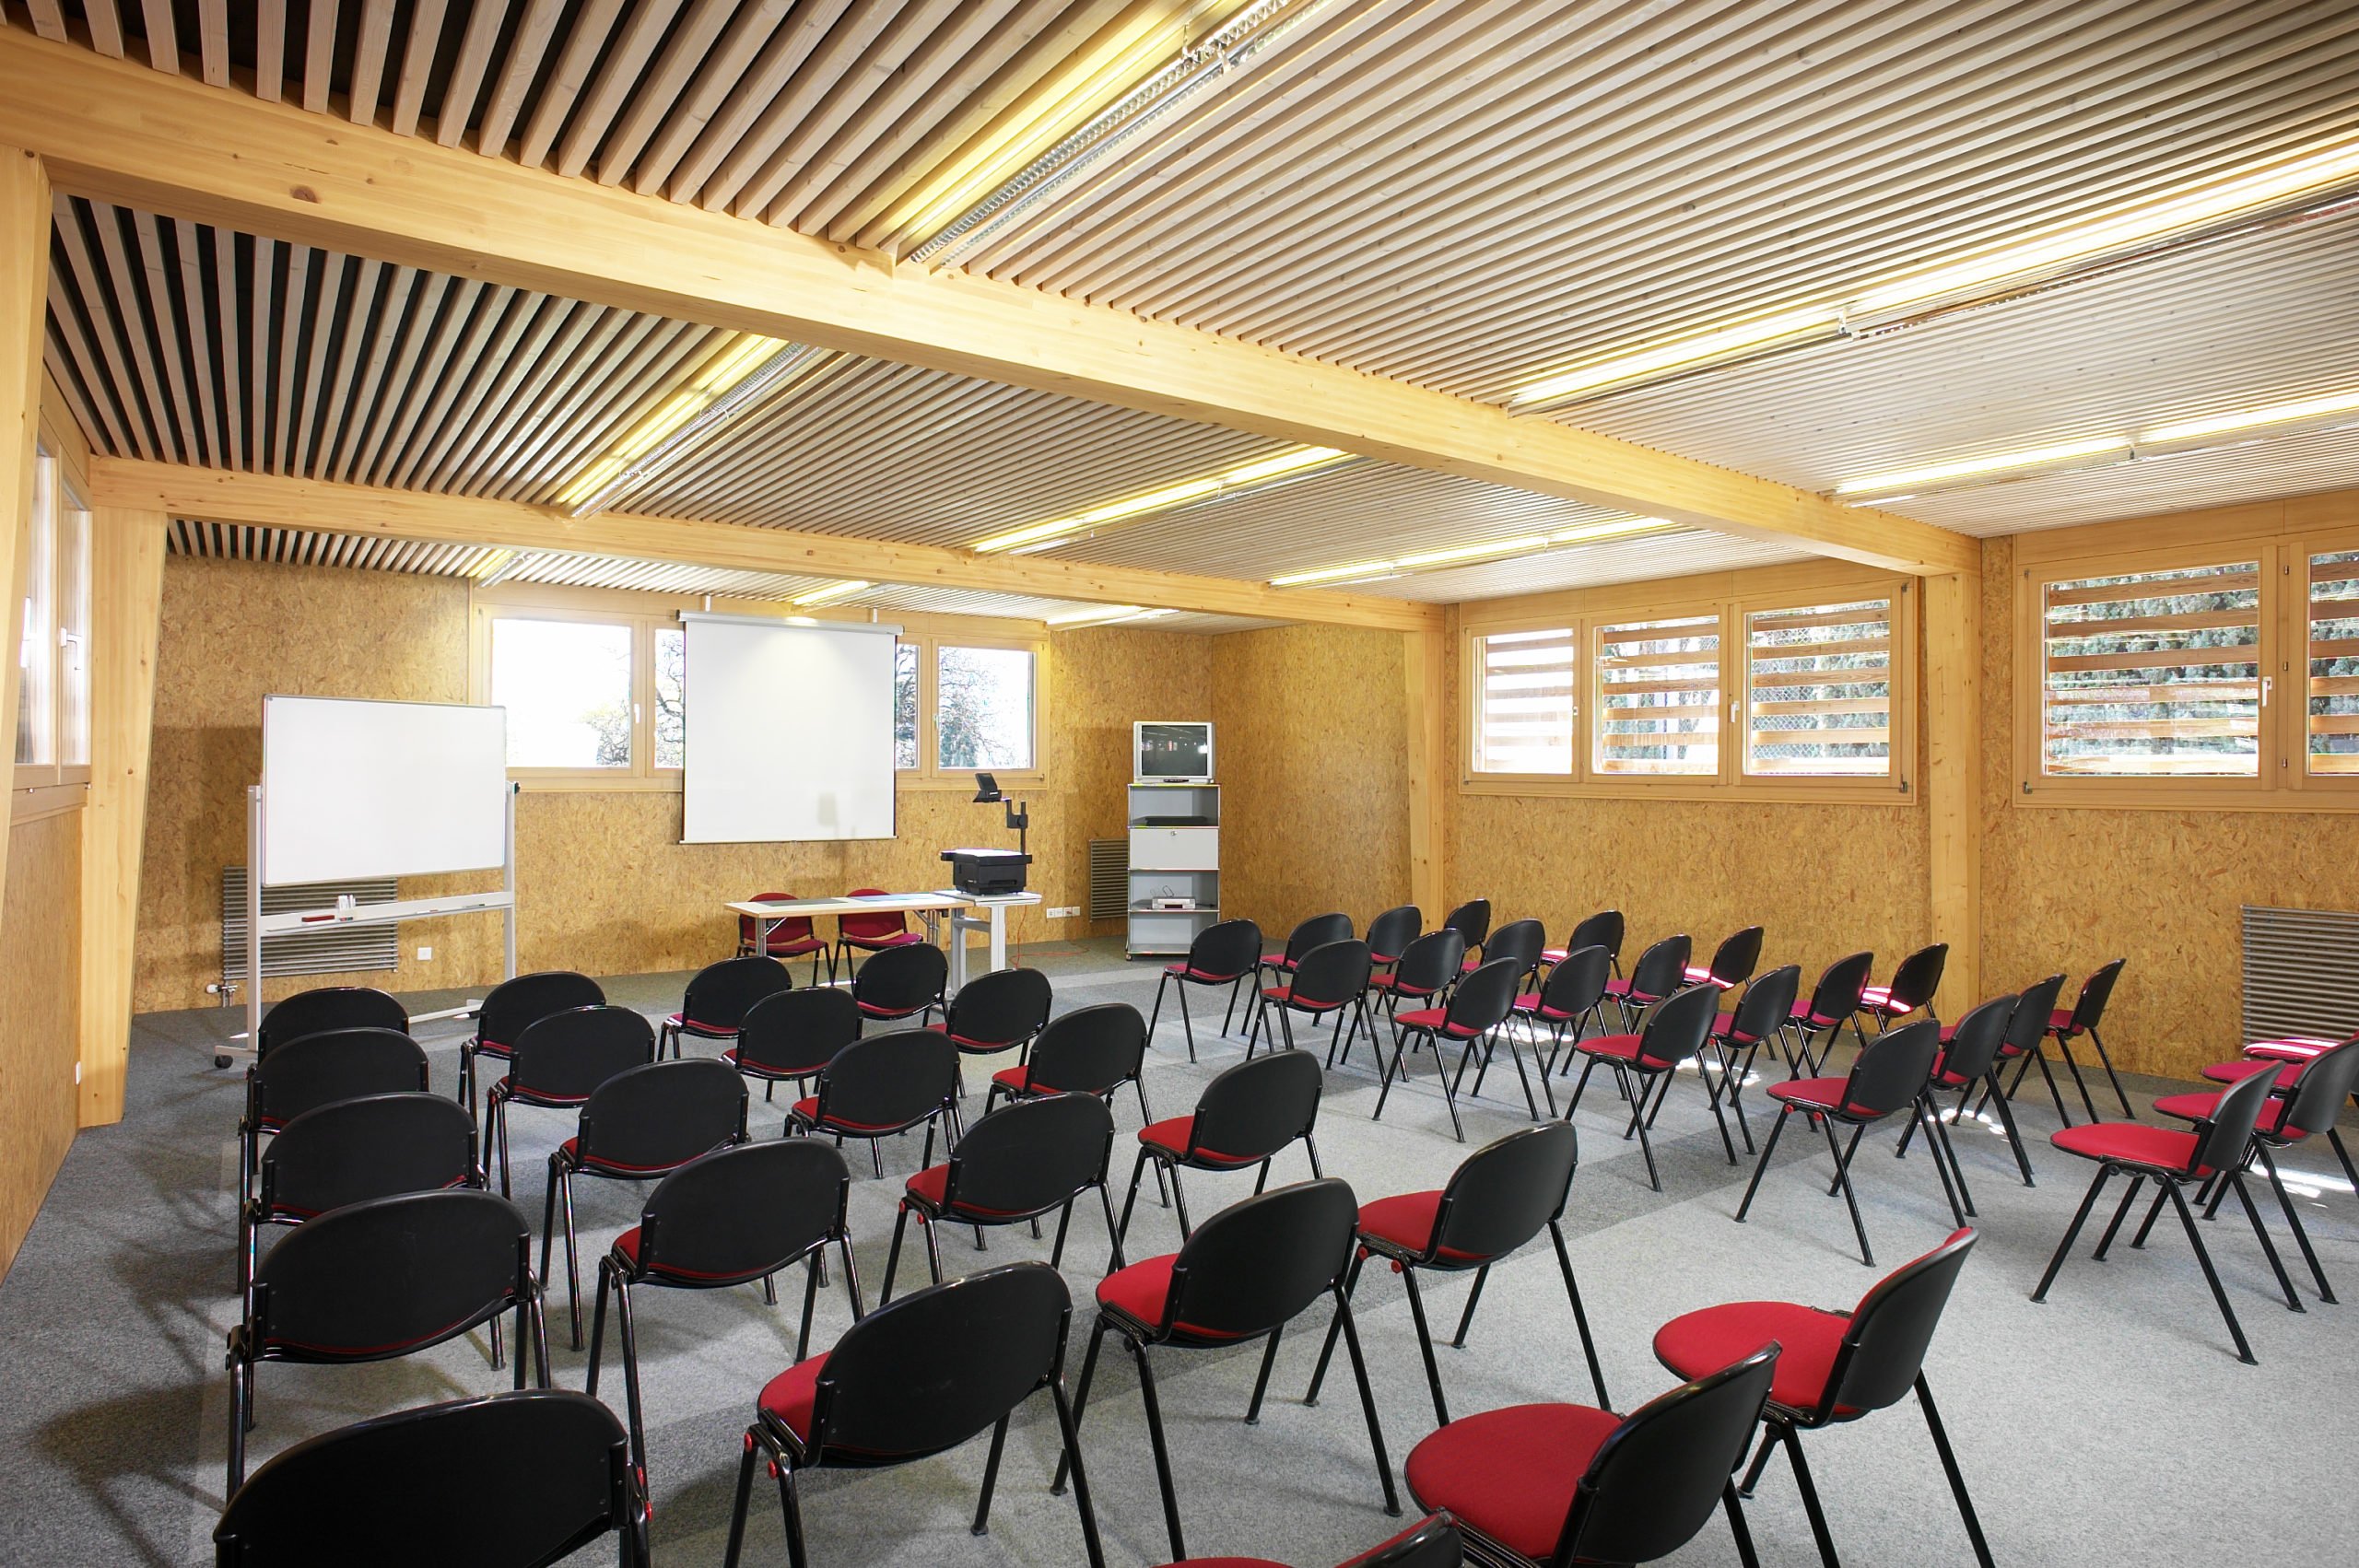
(983, 707)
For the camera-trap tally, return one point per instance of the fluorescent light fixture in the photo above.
(1681, 353)
(1286, 464)
(491, 564)
(2248, 418)
(1997, 462)
(1105, 615)
(832, 593)
(1492, 549)
(721, 374)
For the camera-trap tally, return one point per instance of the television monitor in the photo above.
(1169, 752)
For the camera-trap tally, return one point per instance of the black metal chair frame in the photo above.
(1437, 956)
(2088, 1011)
(325, 1007)
(2311, 1104)
(1916, 980)
(332, 1059)
(1247, 938)
(1014, 1032)
(1760, 1017)
(846, 946)
(381, 1134)
(726, 974)
(1477, 1005)
(1660, 974)
(823, 1121)
(633, 1044)
(1214, 1104)
(746, 1056)
(749, 931)
(1572, 997)
(1347, 959)
(920, 955)
(1677, 1031)
(1388, 930)
(511, 1007)
(2024, 1045)
(1839, 988)
(1606, 928)
(1970, 1058)
(1040, 1079)
(1734, 961)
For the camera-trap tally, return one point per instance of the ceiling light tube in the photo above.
(1742, 339)
(1468, 555)
(1287, 464)
(2301, 410)
(832, 593)
(751, 368)
(1914, 479)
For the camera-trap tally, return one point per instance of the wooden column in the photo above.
(24, 304)
(126, 597)
(1953, 687)
(1426, 705)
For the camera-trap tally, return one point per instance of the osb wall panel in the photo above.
(1312, 749)
(39, 969)
(1108, 679)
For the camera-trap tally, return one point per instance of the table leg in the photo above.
(958, 948)
(999, 936)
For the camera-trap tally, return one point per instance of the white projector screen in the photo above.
(790, 731)
(355, 789)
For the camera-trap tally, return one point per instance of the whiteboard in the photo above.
(789, 731)
(355, 789)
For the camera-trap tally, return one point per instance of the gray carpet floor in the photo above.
(2111, 1424)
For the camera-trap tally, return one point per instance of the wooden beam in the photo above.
(24, 305)
(126, 600)
(276, 501)
(1425, 680)
(1953, 689)
(115, 133)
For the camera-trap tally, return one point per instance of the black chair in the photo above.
(1432, 1542)
(1834, 1367)
(1970, 1058)
(1605, 928)
(713, 1007)
(1833, 1002)
(902, 983)
(312, 1070)
(998, 1012)
(1761, 1016)
(791, 1036)
(387, 1277)
(1254, 1268)
(641, 1125)
(1244, 1118)
(790, 938)
(915, 1379)
(1733, 961)
(1028, 1159)
(1228, 954)
(513, 1006)
(1389, 934)
(1328, 982)
(324, 1008)
(1660, 971)
(1913, 985)
(1314, 932)
(1572, 997)
(1562, 1484)
(353, 1496)
(1429, 965)
(351, 1151)
(1892, 1075)
(1499, 1198)
(733, 1217)
(881, 1085)
(1643, 1065)
(1478, 1004)
(1524, 941)
(1091, 1050)
(558, 1063)
(1472, 920)
(2088, 1012)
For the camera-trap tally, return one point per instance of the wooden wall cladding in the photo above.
(1108, 678)
(40, 981)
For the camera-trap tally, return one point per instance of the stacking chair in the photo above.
(1251, 1269)
(914, 1379)
(1913, 985)
(1478, 1004)
(790, 938)
(1091, 1050)
(1660, 971)
(324, 1008)
(1228, 954)
(1245, 1117)
(901, 983)
(881, 1085)
(790, 1036)
(387, 1277)
(1834, 1366)
(2286, 1058)
(2088, 1012)
(1429, 965)
(1328, 982)
(1472, 920)
(1605, 928)
(1499, 1198)
(998, 1012)
(513, 1006)
(311, 1070)
(353, 1496)
(1573, 997)
(2215, 1150)
(733, 1217)
(1970, 1058)
(1834, 1003)
(351, 1151)
(1566, 1485)
(1314, 932)
(558, 1062)
(1028, 1159)
(1432, 1542)
(1761, 1013)
(1733, 961)
(879, 930)
(1644, 1064)
(2023, 1044)
(1389, 934)
(1524, 941)
(714, 1006)
(1893, 1075)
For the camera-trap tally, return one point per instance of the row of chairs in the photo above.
(872, 932)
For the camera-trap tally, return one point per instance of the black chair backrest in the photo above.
(902, 979)
(1090, 1049)
(1433, 1542)
(512, 1006)
(1893, 1070)
(1485, 998)
(1767, 1002)
(2096, 991)
(717, 998)
(1501, 1194)
(2222, 1137)
(1430, 962)
(1973, 1043)
(1738, 955)
(1257, 1107)
(740, 1212)
(1662, 968)
(1389, 934)
(311, 1070)
(661, 1115)
(1317, 931)
(1334, 971)
(1521, 939)
(1919, 975)
(935, 1368)
(1885, 1347)
(1681, 1024)
(376, 1146)
(1005, 1007)
(1258, 1263)
(566, 1055)
(380, 1278)
(1837, 995)
(795, 1034)
(1605, 928)
(895, 1080)
(1225, 951)
(1031, 1154)
(329, 1007)
(351, 1496)
(1577, 982)
(1656, 1480)
(1472, 920)
(2027, 1024)
(2320, 1090)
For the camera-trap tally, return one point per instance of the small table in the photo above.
(927, 906)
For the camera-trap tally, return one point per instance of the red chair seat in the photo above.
(788, 1398)
(2195, 1106)
(1284, 996)
(759, 1070)
(874, 1009)
(1705, 977)
(1621, 1048)
(1393, 983)
(795, 947)
(1226, 1562)
(1622, 988)
(1555, 955)
(493, 1047)
(1017, 1080)
(1172, 1136)
(968, 1043)
(1277, 961)
(2128, 1142)
(1724, 1028)
(1530, 1002)
(1802, 1013)
(2293, 1047)
(1510, 1473)
(929, 1186)
(681, 1020)
(2061, 1020)
(878, 944)
(1406, 1221)
(1698, 1343)
(1141, 1291)
(627, 1244)
(808, 1109)
(571, 1150)
(1188, 972)
(1814, 1094)
(1878, 998)
(1435, 1020)
(2237, 1072)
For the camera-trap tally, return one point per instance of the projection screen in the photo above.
(789, 731)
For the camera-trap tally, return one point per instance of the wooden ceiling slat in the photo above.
(294, 314)
(417, 64)
(530, 315)
(49, 21)
(618, 69)
(383, 343)
(371, 50)
(728, 93)
(332, 273)
(455, 313)
(213, 41)
(163, 35)
(319, 56)
(80, 358)
(465, 88)
(111, 333)
(226, 320)
(270, 49)
(359, 328)
(261, 313)
(829, 56)
(659, 88)
(170, 432)
(526, 49)
(513, 417)
(195, 442)
(586, 40)
(196, 308)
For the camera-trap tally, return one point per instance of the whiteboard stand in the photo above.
(258, 925)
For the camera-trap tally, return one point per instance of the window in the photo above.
(1659, 698)
(567, 687)
(2332, 746)
(904, 704)
(2152, 674)
(1523, 702)
(983, 709)
(671, 685)
(1818, 691)
(53, 650)
(36, 701)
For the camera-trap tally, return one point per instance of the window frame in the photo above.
(2310, 791)
(1904, 670)
(1590, 652)
(1473, 662)
(928, 643)
(59, 485)
(641, 774)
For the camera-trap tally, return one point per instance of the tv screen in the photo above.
(1173, 750)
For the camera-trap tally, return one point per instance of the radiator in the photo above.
(2301, 972)
(333, 950)
(1110, 878)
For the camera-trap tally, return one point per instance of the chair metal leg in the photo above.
(2080, 1217)
(1261, 1381)
(2073, 1065)
(1335, 1328)
(893, 1254)
(1098, 1333)
(2212, 1276)
(1736, 1510)
(797, 1555)
(2107, 1061)
(2105, 1242)
(1068, 1426)
(983, 1526)
(2267, 1247)
(1162, 1454)
(1761, 1458)
(1580, 1317)
(628, 1328)
(1802, 1482)
(1113, 1235)
(597, 1329)
(1424, 1344)
(1368, 1405)
(1637, 1125)
(2007, 1120)
(2293, 1219)
(1466, 1317)
(1769, 1148)
(563, 1178)
(1958, 1210)
(810, 1303)
(1949, 1467)
(744, 1498)
(1843, 1180)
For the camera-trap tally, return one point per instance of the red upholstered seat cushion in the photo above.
(882, 941)
(1141, 1291)
(875, 1011)
(1284, 996)
(969, 1042)
(930, 1185)
(1815, 1094)
(1172, 1136)
(1878, 998)
(793, 947)
(1724, 1028)
(788, 1397)
(1555, 955)
(2237, 1072)
(1435, 1019)
(2197, 1106)
(1625, 989)
(718, 1031)
(1698, 1343)
(2292, 1048)
(808, 1109)
(1394, 983)
(1190, 972)
(1530, 1002)
(571, 1150)
(493, 1047)
(2131, 1142)
(1816, 1021)
(761, 1070)
(1510, 1473)
(1015, 1079)
(1231, 1562)
(2061, 1020)
(1407, 1222)
(627, 1245)
(1623, 1047)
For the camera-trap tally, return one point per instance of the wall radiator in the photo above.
(333, 950)
(1110, 879)
(2301, 972)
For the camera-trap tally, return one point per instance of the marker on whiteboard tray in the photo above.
(345, 906)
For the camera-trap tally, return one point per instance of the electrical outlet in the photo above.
(1066, 912)
(426, 955)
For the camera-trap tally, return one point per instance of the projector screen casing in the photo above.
(789, 731)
